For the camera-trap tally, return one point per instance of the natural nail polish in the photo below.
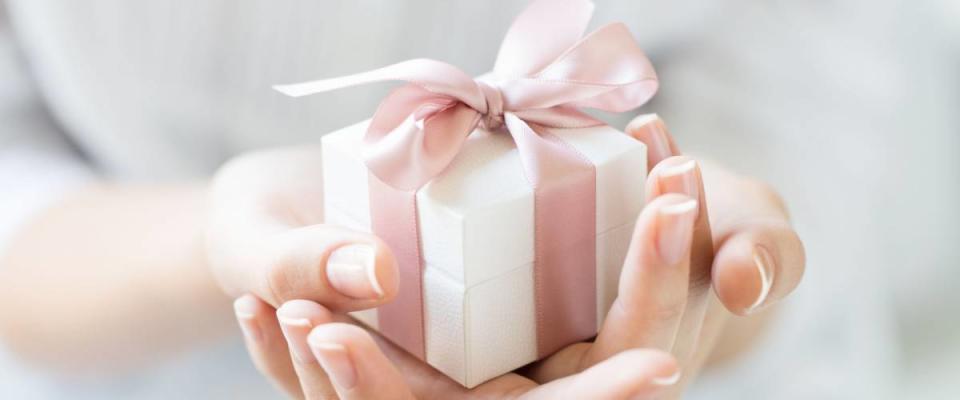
(246, 320)
(764, 264)
(651, 129)
(680, 178)
(295, 330)
(351, 270)
(675, 230)
(336, 361)
(667, 380)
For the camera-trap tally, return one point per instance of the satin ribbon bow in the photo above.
(544, 73)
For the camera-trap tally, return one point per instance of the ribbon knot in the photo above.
(492, 114)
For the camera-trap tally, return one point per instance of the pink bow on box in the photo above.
(544, 73)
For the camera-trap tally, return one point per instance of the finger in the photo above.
(654, 281)
(640, 373)
(760, 258)
(342, 269)
(297, 318)
(356, 366)
(681, 174)
(651, 130)
(757, 265)
(266, 344)
(426, 382)
(269, 232)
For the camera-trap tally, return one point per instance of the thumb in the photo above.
(342, 269)
(339, 268)
(265, 236)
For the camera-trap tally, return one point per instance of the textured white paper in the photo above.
(476, 228)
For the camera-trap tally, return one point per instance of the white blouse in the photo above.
(811, 96)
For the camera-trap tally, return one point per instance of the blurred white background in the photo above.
(848, 108)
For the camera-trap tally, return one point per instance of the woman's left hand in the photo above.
(665, 303)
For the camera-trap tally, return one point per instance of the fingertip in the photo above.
(664, 368)
(649, 372)
(354, 362)
(340, 333)
(655, 214)
(332, 346)
(265, 342)
(304, 310)
(359, 267)
(676, 174)
(248, 306)
(650, 129)
(737, 280)
(658, 362)
(387, 271)
(756, 268)
(296, 319)
(249, 310)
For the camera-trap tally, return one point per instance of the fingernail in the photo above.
(246, 319)
(675, 230)
(295, 330)
(351, 270)
(681, 178)
(651, 130)
(764, 263)
(335, 360)
(667, 380)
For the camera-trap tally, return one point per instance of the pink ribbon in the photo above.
(545, 72)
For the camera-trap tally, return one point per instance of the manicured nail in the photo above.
(245, 312)
(666, 380)
(675, 230)
(680, 177)
(651, 130)
(764, 263)
(295, 330)
(352, 271)
(335, 360)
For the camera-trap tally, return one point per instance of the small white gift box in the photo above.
(476, 224)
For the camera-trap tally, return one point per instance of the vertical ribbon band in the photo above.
(545, 72)
(393, 218)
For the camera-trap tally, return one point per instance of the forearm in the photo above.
(111, 276)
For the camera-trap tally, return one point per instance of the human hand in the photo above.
(265, 236)
(277, 339)
(612, 367)
(660, 305)
(758, 257)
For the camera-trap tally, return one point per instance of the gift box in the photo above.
(509, 209)
(477, 239)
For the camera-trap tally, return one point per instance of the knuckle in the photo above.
(654, 313)
(765, 190)
(277, 275)
(668, 311)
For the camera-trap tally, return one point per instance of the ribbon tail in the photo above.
(565, 285)
(434, 76)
